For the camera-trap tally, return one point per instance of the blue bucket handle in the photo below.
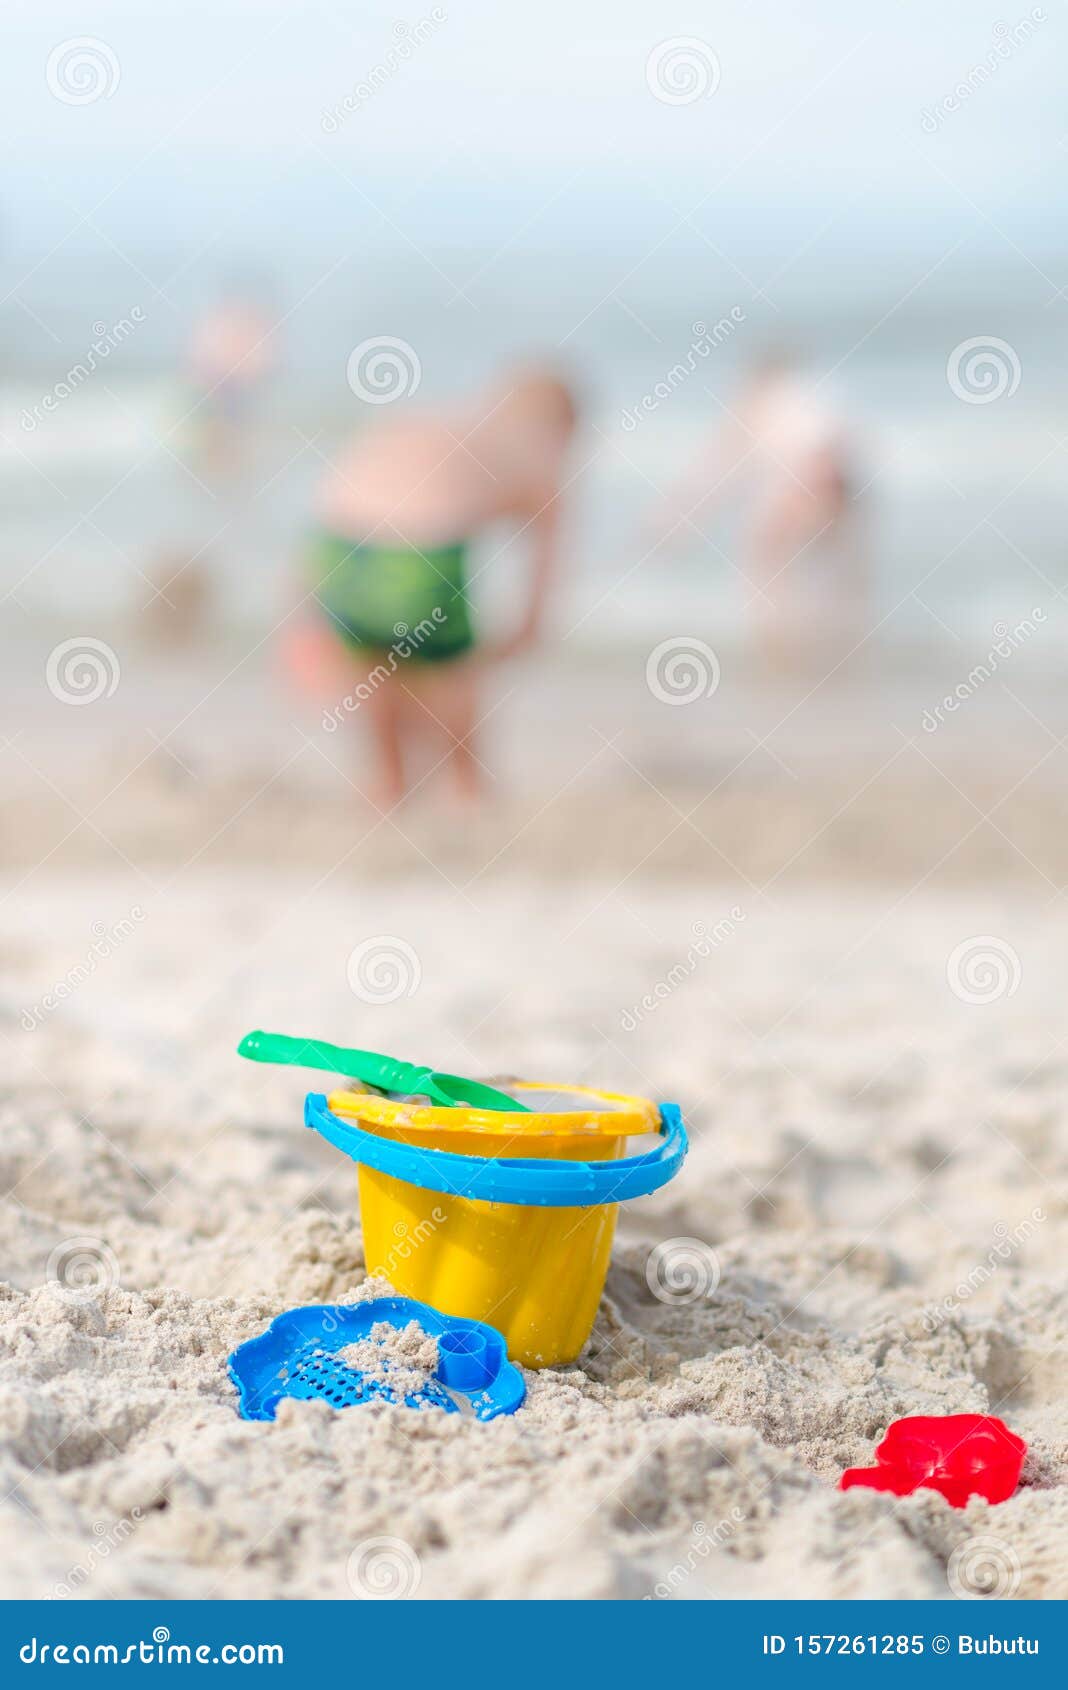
(546, 1183)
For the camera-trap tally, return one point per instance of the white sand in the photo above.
(403, 1358)
(863, 1144)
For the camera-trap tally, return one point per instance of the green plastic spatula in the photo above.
(373, 1070)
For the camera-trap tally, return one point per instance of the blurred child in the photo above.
(231, 354)
(398, 512)
(789, 456)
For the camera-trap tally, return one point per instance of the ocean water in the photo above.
(961, 497)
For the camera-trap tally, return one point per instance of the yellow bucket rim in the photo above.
(628, 1116)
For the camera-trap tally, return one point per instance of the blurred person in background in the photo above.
(789, 457)
(230, 356)
(397, 513)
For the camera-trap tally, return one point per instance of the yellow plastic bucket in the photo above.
(534, 1268)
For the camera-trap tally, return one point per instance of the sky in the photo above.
(537, 127)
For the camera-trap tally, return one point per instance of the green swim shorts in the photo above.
(394, 597)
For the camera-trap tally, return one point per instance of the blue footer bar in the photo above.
(599, 1644)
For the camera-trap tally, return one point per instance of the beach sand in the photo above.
(869, 1054)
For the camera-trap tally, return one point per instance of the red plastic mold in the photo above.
(958, 1455)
